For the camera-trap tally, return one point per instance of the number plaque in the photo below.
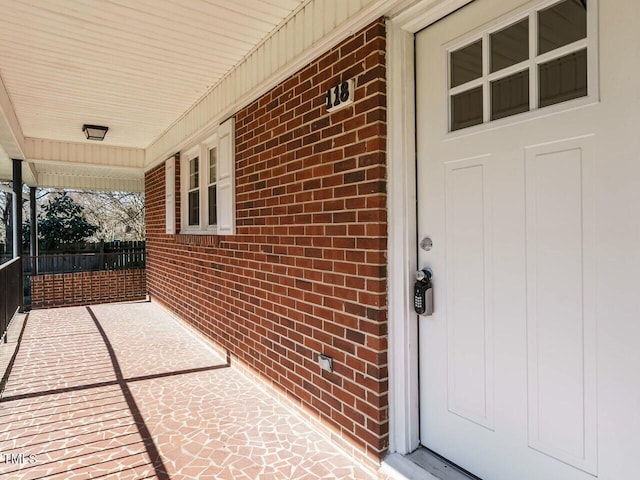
(340, 96)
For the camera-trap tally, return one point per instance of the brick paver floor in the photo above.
(124, 391)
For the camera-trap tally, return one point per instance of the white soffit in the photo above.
(310, 31)
(134, 66)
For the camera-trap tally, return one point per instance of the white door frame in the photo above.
(404, 431)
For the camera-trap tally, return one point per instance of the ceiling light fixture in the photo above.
(94, 132)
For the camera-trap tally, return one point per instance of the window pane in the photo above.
(466, 64)
(193, 173)
(510, 45)
(561, 24)
(510, 95)
(466, 109)
(213, 206)
(194, 208)
(212, 165)
(563, 79)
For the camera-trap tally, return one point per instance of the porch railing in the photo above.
(82, 248)
(84, 262)
(10, 293)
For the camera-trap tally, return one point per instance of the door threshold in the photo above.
(423, 464)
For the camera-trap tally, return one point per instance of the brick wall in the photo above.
(86, 288)
(306, 271)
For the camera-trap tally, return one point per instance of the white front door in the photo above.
(528, 167)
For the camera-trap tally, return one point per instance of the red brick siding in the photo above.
(85, 288)
(306, 271)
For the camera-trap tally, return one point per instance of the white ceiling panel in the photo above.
(134, 66)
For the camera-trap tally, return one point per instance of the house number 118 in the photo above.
(339, 96)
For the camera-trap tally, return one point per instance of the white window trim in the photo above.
(202, 152)
(185, 174)
(223, 140)
(210, 144)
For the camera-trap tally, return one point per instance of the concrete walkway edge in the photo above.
(9, 350)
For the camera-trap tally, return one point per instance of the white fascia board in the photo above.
(11, 137)
(40, 150)
(308, 33)
(29, 174)
(93, 183)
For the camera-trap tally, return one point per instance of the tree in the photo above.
(118, 215)
(63, 222)
(5, 214)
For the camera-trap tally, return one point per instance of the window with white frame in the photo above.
(535, 59)
(207, 184)
(193, 192)
(211, 184)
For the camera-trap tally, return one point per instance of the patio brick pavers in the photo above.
(124, 391)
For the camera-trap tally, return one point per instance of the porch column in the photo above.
(34, 224)
(17, 224)
(17, 208)
(34, 250)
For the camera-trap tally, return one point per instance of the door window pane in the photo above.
(466, 64)
(563, 79)
(559, 57)
(466, 109)
(561, 24)
(510, 45)
(510, 95)
(194, 208)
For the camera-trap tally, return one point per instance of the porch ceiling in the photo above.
(133, 66)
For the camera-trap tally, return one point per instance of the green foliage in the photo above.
(63, 222)
(26, 236)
